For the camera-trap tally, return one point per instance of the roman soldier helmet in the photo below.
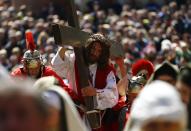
(141, 71)
(31, 55)
(143, 64)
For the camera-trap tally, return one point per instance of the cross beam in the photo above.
(90, 102)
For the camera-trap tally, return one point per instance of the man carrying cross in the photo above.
(102, 74)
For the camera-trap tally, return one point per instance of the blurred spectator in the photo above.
(3, 73)
(146, 28)
(152, 5)
(4, 59)
(61, 108)
(14, 63)
(184, 87)
(12, 42)
(2, 38)
(17, 52)
(22, 107)
(158, 107)
(166, 72)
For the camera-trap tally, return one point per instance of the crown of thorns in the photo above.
(98, 38)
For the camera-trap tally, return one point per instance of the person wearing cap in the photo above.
(158, 107)
(165, 72)
(33, 65)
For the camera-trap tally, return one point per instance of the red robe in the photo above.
(47, 71)
(100, 80)
(100, 83)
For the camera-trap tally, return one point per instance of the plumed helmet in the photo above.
(32, 57)
(31, 53)
(142, 64)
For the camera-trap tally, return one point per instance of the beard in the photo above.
(91, 59)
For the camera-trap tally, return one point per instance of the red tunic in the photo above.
(47, 71)
(100, 80)
(100, 83)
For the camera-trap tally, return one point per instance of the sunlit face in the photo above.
(184, 91)
(32, 67)
(159, 125)
(95, 52)
(20, 113)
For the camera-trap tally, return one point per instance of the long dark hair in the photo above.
(105, 53)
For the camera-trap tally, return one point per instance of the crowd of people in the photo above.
(157, 35)
(147, 88)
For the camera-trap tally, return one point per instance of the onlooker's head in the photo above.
(3, 55)
(21, 107)
(184, 84)
(62, 113)
(166, 72)
(158, 107)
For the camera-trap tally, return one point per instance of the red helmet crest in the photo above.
(142, 64)
(30, 41)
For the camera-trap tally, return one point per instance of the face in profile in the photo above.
(95, 52)
(20, 113)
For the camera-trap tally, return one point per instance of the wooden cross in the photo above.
(59, 34)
